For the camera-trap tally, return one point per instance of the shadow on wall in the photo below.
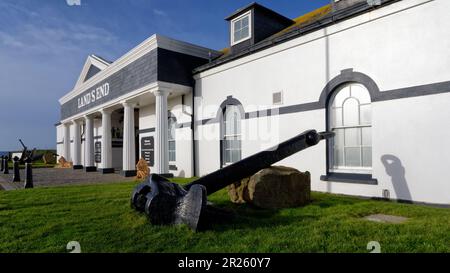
(396, 171)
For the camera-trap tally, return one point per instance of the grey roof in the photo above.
(258, 6)
(332, 18)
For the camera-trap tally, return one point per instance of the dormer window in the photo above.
(240, 28)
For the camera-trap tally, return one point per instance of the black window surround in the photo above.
(346, 76)
(219, 117)
(354, 178)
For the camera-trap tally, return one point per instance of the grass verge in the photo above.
(100, 218)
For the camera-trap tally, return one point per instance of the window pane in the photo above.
(235, 124)
(235, 155)
(352, 137)
(341, 96)
(171, 145)
(237, 25)
(226, 144)
(366, 114)
(237, 35)
(339, 137)
(338, 147)
(366, 136)
(367, 156)
(232, 142)
(336, 117)
(228, 126)
(244, 21)
(352, 157)
(351, 112)
(360, 92)
(171, 132)
(244, 33)
(338, 156)
(226, 155)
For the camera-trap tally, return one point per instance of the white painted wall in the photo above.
(402, 45)
(147, 120)
(59, 139)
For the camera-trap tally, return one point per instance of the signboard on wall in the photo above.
(148, 150)
(98, 152)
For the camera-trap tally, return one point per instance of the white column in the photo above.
(76, 145)
(66, 149)
(89, 144)
(106, 142)
(129, 148)
(161, 145)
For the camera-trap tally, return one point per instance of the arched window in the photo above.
(171, 138)
(231, 146)
(350, 118)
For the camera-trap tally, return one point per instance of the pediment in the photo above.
(91, 67)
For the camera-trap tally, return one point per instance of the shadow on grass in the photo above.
(244, 216)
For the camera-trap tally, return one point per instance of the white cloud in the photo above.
(58, 39)
(9, 40)
(159, 12)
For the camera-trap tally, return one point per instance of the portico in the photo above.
(95, 133)
(120, 114)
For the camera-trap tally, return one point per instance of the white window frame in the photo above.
(235, 137)
(171, 121)
(348, 169)
(249, 14)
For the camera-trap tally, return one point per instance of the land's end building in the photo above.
(377, 73)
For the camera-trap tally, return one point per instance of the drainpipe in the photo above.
(194, 155)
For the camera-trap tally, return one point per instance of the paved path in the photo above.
(46, 177)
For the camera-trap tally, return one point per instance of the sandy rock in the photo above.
(142, 169)
(274, 187)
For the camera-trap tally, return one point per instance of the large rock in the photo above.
(274, 187)
(142, 169)
(63, 163)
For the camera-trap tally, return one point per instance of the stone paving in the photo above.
(47, 177)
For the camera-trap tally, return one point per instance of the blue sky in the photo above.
(44, 44)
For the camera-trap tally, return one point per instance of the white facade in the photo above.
(405, 44)
(399, 53)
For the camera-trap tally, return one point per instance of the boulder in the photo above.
(142, 169)
(238, 191)
(63, 163)
(273, 187)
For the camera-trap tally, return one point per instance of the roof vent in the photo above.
(277, 98)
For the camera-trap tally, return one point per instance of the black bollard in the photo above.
(29, 174)
(5, 166)
(2, 163)
(16, 177)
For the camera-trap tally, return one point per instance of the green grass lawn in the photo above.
(100, 218)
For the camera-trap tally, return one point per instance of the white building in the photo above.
(378, 75)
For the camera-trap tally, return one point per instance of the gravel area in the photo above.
(46, 177)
